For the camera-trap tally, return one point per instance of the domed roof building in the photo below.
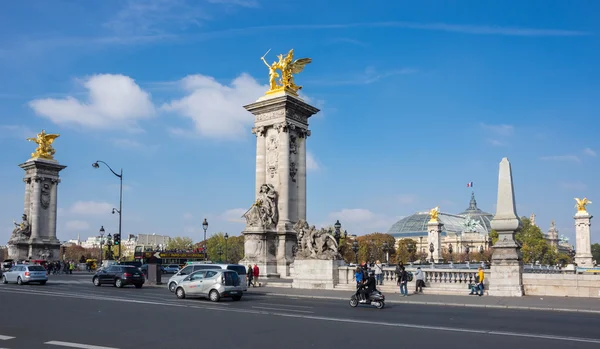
(477, 214)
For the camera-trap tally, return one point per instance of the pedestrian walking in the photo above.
(420, 277)
(403, 282)
(379, 272)
(250, 275)
(256, 272)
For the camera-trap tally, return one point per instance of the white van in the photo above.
(195, 266)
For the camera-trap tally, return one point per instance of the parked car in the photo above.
(213, 284)
(196, 266)
(119, 276)
(170, 269)
(26, 273)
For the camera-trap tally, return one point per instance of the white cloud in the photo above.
(311, 163)
(114, 101)
(589, 151)
(234, 215)
(216, 109)
(91, 208)
(77, 225)
(501, 129)
(564, 158)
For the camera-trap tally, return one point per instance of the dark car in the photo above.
(119, 276)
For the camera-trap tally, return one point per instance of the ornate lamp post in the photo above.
(120, 210)
(431, 249)
(109, 244)
(467, 250)
(226, 237)
(450, 251)
(386, 249)
(101, 242)
(355, 249)
(421, 249)
(205, 227)
(336, 234)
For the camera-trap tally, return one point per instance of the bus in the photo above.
(149, 254)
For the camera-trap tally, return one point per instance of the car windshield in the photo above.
(36, 268)
(240, 269)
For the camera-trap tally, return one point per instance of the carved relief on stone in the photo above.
(315, 244)
(303, 133)
(293, 144)
(270, 115)
(272, 155)
(45, 197)
(284, 127)
(295, 115)
(258, 131)
(293, 171)
(253, 245)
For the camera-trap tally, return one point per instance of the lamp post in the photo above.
(431, 249)
(411, 250)
(205, 227)
(109, 245)
(450, 251)
(101, 242)
(467, 250)
(385, 249)
(226, 237)
(220, 253)
(120, 210)
(336, 234)
(355, 249)
(421, 250)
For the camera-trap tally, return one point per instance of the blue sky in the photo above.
(416, 99)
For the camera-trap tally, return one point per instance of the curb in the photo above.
(490, 306)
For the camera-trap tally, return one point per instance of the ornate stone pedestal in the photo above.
(507, 261)
(316, 273)
(36, 238)
(583, 244)
(434, 237)
(281, 128)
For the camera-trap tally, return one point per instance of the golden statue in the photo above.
(288, 68)
(581, 204)
(44, 142)
(434, 212)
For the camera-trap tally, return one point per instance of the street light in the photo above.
(336, 234)
(220, 253)
(101, 242)
(205, 227)
(109, 245)
(226, 237)
(450, 251)
(467, 250)
(431, 249)
(355, 249)
(385, 249)
(120, 210)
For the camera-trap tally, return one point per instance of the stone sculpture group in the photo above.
(315, 244)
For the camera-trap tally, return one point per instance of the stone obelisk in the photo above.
(41, 179)
(281, 129)
(507, 261)
(583, 244)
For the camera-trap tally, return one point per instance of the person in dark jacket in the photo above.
(368, 287)
(250, 275)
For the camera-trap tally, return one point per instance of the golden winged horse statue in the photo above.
(44, 142)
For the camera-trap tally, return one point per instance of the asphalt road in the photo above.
(70, 312)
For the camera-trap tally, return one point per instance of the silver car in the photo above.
(26, 273)
(214, 284)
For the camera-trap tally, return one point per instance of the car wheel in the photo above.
(19, 281)
(4, 281)
(180, 293)
(236, 298)
(42, 282)
(214, 296)
(138, 285)
(96, 281)
(172, 286)
(119, 283)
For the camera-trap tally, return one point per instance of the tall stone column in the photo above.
(34, 212)
(27, 204)
(507, 262)
(435, 232)
(282, 118)
(583, 244)
(53, 208)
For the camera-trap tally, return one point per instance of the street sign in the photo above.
(157, 255)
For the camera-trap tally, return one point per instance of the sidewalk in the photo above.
(565, 304)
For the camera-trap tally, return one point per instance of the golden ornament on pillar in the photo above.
(581, 204)
(288, 67)
(433, 213)
(44, 142)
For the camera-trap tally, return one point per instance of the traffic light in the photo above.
(117, 239)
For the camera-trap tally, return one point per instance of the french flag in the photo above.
(470, 185)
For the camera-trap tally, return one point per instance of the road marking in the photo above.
(287, 305)
(297, 311)
(5, 338)
(211, 306)
(77, 345)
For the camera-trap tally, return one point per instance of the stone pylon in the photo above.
(281, 129)
(583, 244)
(507, 261)
(434, 237)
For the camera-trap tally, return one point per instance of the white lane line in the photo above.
(210, 306)
(5, 338)
(287, 305)
(296, 311)
(77, 345)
